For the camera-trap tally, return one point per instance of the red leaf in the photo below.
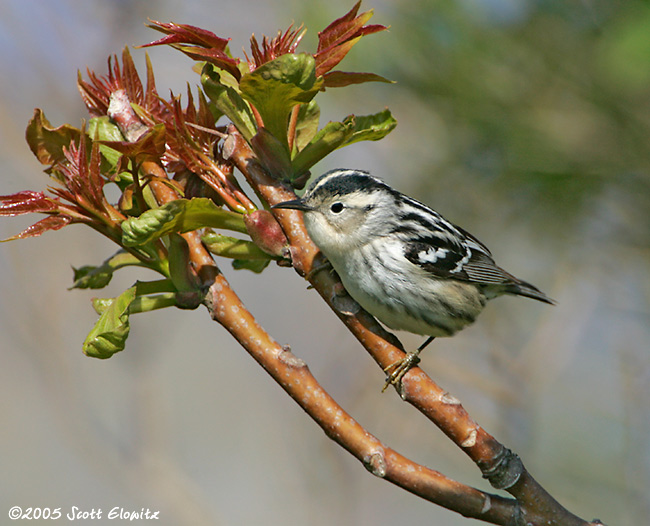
(95, 179)
(47, 142)
(328, 60)
(281, 44)
(190, 109)
(184, 33)
(150, 145)
(339, 79)
(203, 45)
(151, 98)
(331, 33)
(204, 117)
(49, 223)
(95, 94)
(26, 202)
(98, 91)
(130, 78)
(336, 40)
(80, 175)
(213, 56)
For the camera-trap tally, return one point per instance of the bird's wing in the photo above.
(459, 256)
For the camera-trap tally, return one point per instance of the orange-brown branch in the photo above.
(295, 378)
(498, 464)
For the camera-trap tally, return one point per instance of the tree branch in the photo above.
(295, 378)
(533, 505)
(498, 464)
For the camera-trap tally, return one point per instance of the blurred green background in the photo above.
(527, 122)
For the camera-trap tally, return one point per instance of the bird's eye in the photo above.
(336, 207)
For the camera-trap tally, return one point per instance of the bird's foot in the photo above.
(399, 369)
(323, 265)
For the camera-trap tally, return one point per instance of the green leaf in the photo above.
(154, 287)
(180, 268)
(109, 334)
(101, 304)
(307, 125)
(181, 215)
(104, 129)
(340, 79)
(231, 247)
(151, 303)
(277, 86)
(338, 134)
(371, 127)
(92, 277)
(149, 295)
(228, 101)
(46, 142)
(255, 265)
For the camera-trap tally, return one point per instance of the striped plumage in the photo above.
(399, 259)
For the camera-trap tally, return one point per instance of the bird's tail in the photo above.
(522, 288)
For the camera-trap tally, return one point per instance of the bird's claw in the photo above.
(324, 265)
(399, 369)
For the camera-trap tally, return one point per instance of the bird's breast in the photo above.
(397, 293)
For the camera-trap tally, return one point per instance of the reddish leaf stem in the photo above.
(293, 123)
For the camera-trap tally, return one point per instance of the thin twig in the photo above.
(211, 131)
(293, 123)
(258, 117)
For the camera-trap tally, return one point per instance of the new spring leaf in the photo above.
(109, 334)
(182, 215)
(277, 86)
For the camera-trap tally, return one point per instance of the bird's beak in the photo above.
(296, 204)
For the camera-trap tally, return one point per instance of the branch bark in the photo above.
(532, 504)
(294, 377)
(500, 466)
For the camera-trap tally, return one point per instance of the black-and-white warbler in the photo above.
(400, 260)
